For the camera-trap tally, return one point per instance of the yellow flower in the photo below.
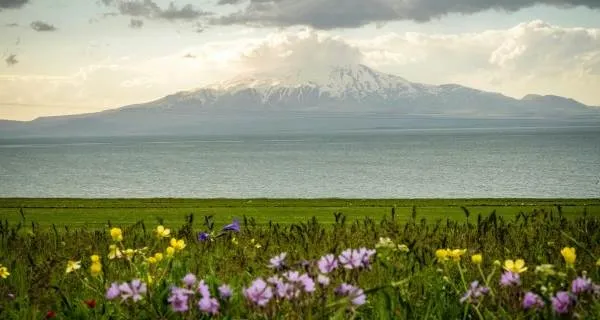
(178, 245)
(403, 248)
(73, 265)
(129, 253)
(96, 268)
(162, 232)
(170, 251)
(442, 254)
(95, 258)
(569, 255)
(257, 246)
(477, 258)
(234, 241)
(150, 279)
(517, 266)
(116, 234)
(158, 256)
(4, 272)
(456, 254)
(114, 252)
(151, 260)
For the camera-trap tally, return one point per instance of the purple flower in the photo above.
(225, 291)
(203, 289)
(365, 255)
(277, 262)
(209, 305)
(293, 276)
(113, 291)
(532, 301)
(357, 295)
(474, 293)
(350, 259)
(189, 280)
(561, 302)
(133, 290)
(327, 263)
(286, 290)
(179, 299)
(234, 226)
(323, 280)
(274, 280)
(509, 278)
(259, 293)
(307, 283)
(581, 285)
(203, 236)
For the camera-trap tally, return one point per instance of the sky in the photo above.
(80, 56)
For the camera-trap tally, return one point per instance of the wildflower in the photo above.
(569, 255)
(162, 232)
(203, 236)
(179, 299)
(323, 280)
(209, 305)
(256, 244)
(456, 254)
(225, 292)
(50, 314)
(509, 278)
(474, 293)
(170, 251)
(385, 243)
(581, 285)
(4, 272)
(366, 255)
(129, 253)
(158, 256)
(327, 263)
(545, 269)
(477, 258)
(497, 263)
(114, 252)
(116, 234)
(350, 259)
(95, 258)
(517, 266)
(91, 303)
(307, 282)
(293, 276)
(532, 301)
(287, 291)
(151, 260)
(274, 280)
(442, 254)
(113, 291)
(234, 226)
(561, 302)
(234, 241)
(133, 290)
(178, 245)
(403, 248)
(203, 289)
(277, 262)
(73, 265)
(356, 295)
(189, 280)
(95, 269)
(259, 293)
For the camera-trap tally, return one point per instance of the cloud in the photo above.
(151, 10)
(12, 4)
(330, 14)
(11, 60)
(136, 23)
(41, 26)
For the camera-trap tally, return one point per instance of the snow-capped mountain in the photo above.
(343, 98)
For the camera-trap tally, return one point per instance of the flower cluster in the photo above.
(446, 254)
(191, 288)
(134, 290)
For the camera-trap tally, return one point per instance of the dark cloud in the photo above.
(12, 4)
(42, 26)
(136, 23)
(11, 60)
(329, 14)
(149, 9)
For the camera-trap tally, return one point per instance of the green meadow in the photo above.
(98, 212)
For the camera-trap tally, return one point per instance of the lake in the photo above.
(443, 163)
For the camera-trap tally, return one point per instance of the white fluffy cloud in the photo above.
(532, 57)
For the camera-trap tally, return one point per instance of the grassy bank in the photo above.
(97, 212)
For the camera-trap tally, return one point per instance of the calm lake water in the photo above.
(514, 162)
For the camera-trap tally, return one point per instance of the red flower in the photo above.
(90, 303)
(50, 314)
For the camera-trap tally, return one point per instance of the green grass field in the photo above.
(97, 212)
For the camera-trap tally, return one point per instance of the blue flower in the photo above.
(234, 226)
(203, 236)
